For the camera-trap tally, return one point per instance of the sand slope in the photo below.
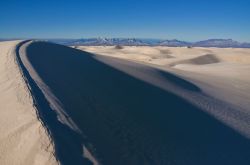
(23, 140)
(130, 113)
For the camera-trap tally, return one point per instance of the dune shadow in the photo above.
(165, 53)
(181, 83)
(126, 120)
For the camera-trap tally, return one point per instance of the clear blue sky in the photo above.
(189, 20)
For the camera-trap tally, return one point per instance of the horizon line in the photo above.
(142, 38)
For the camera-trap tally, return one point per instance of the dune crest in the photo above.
(201, 60)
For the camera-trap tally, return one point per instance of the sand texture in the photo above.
(23, 140)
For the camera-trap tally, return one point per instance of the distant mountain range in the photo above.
(223, 43)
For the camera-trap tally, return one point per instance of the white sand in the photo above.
(23, 140)
(222, 73)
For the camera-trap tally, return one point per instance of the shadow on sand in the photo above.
(126, 120)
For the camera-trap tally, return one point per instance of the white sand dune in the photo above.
(23, 140)
(132, 105)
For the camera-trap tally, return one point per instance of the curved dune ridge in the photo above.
(23, 139)
(127, 113)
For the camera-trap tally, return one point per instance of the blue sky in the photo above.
(189, 20)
